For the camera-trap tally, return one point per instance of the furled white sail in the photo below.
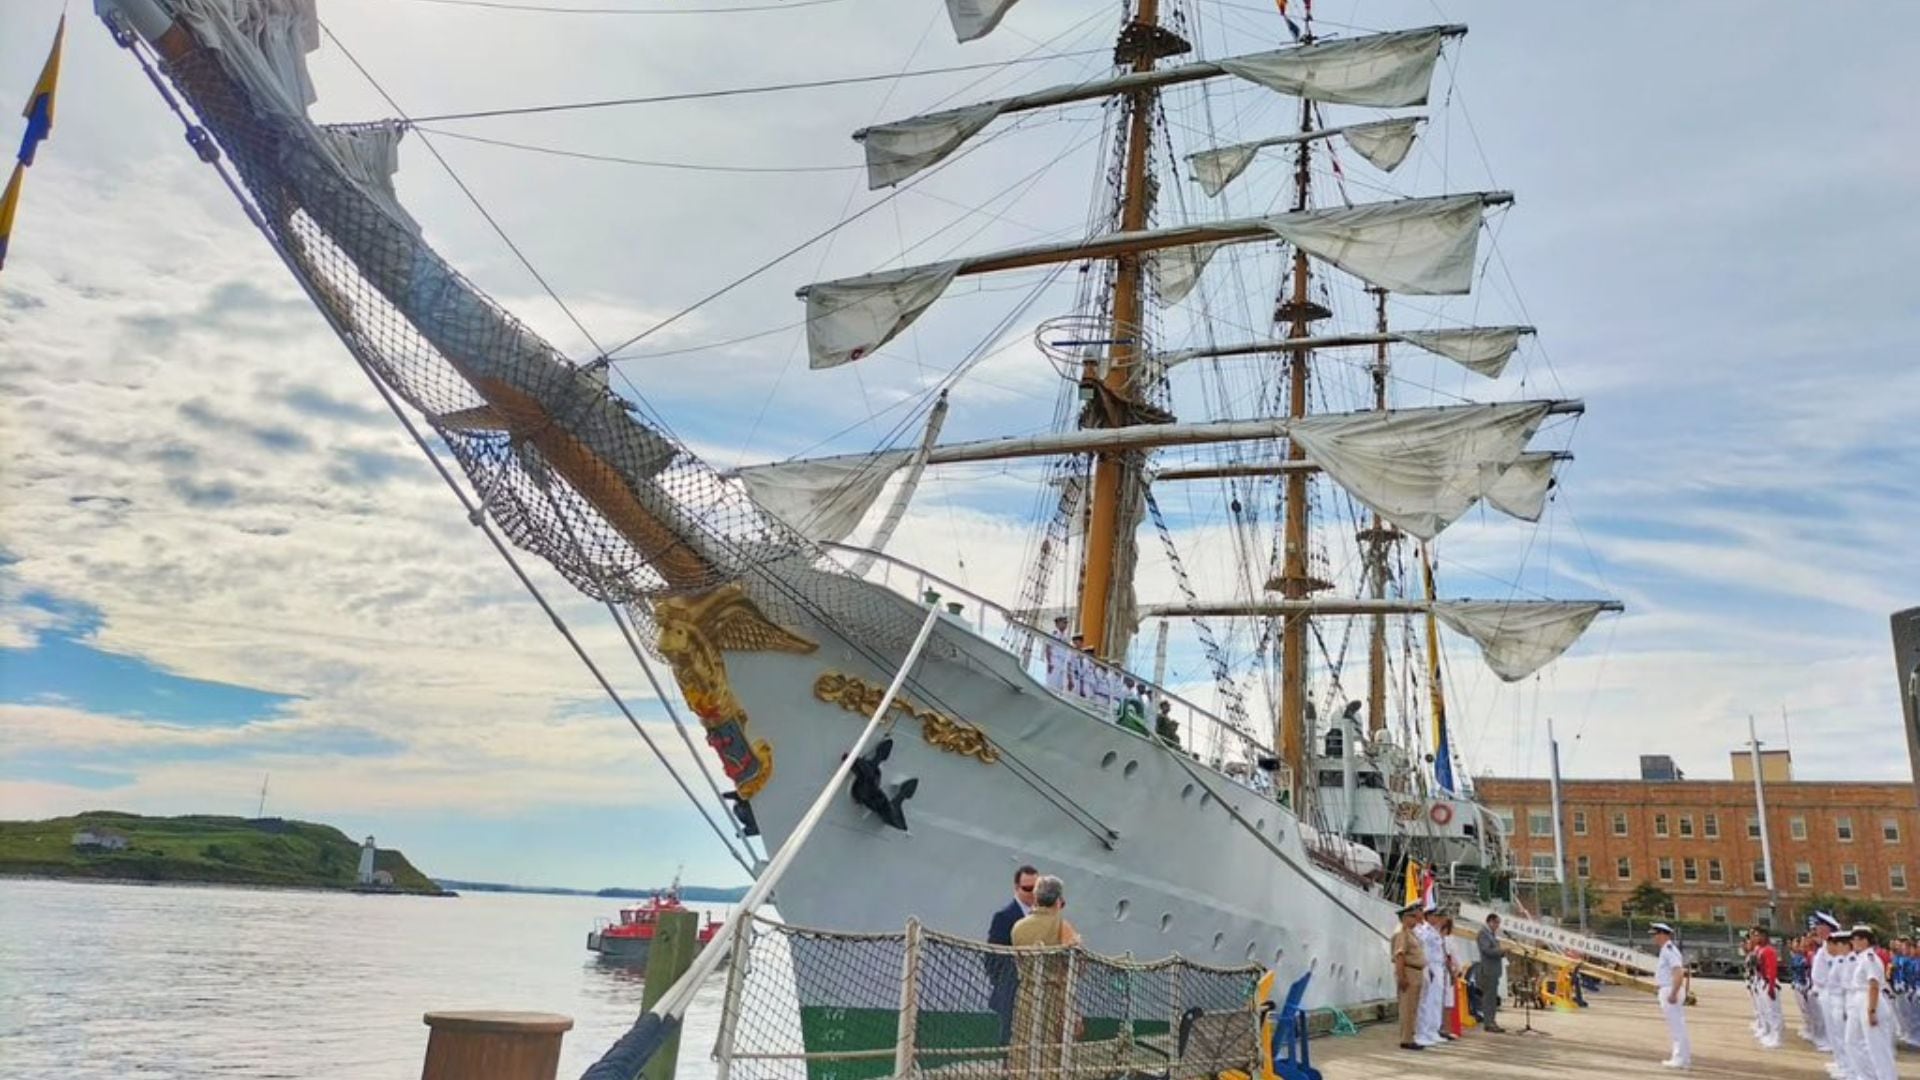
(1521, 491)
(370, 154)
(898, 150)
(976, 18)
(1519, 637)
(1382, 70)
(1481, 349)
(1175, 271)
(264, 46)
(823, 499)
(1215, 169)
(1413, 246)
(849, 318)
(904, 494)
(1384, 143)
(1420, 468)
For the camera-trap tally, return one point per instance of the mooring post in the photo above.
(676, 937)
(493, 1045)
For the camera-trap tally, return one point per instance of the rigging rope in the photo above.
(738, 91)
(504, 5)
(1216, 657)
(616, 160)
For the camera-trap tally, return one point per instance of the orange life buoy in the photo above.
(1441, 813)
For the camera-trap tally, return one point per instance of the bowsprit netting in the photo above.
(567, 469)
(812, 1005)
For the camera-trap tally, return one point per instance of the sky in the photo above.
(222, 563)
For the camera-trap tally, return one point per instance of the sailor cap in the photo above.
(1659, 928)
(1412, 909)
(1861, 930)
(1832, 923)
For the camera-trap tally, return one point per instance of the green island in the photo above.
(200, 849)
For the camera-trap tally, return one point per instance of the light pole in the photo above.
(1766, 847)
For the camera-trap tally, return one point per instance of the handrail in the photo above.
(1014, 622)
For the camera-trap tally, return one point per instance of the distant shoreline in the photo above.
(7, 874)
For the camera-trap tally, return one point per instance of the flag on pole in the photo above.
(1413, 882)
(39, 114)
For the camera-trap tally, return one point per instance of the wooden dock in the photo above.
(1619, 1035)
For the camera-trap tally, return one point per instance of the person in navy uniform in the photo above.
(1670, 979)
(1003, 977)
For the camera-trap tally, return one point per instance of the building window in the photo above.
(1762, 917)
(1897, 878)
(1753, 827)
(1623, 868)
(1543, 864)
(1843, 829)
(1579, 823)
(1720, 913)
(1713, 826)
(1849, 876)
(1759, 872)
(1583, 867)
(1505, 814)
(1686, 825)
(1539, 823)
(1619, 824)
(1659, 824)
(1890, 830)
(1714, 872)
(1666, 868)
(1803, 874)
(1797, 827)
(1690, 869)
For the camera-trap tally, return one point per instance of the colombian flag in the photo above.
(39, 114)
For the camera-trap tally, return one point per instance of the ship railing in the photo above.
(1205, 736)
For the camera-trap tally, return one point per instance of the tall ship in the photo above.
(1265, 823)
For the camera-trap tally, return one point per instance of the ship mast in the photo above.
(1114, 393)
(1378, 537)
(1294, 583)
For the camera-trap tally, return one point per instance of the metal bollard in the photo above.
(494, 1045)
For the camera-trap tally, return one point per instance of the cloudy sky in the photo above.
(222, 562)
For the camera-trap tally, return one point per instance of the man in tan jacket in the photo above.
(1409, 973)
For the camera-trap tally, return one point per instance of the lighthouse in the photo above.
(366, 862)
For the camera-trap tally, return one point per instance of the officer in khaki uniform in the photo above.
(1409, 973)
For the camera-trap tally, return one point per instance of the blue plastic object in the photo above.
(1291, 1059)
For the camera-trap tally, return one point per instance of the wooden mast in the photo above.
(1117, 391)
(1294, 583)
(1378, 537)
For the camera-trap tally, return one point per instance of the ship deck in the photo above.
(1619, 1035)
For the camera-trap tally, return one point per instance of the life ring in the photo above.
(1441, 813)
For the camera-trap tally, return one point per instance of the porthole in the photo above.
(1253, 949)
(1219, 940)
(1186, 792)
(1166, 921)
(1120, 909)
(1260, 825)
(1206, 800)
(1132, 767)
(1277, 955)
(1107, 759)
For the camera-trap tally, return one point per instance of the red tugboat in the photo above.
(630, 940)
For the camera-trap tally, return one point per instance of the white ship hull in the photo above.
(1181, 877)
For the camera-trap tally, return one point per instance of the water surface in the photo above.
(101, 980)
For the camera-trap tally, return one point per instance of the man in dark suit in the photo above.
(1002, 977)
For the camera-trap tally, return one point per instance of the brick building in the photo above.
(1700, 839)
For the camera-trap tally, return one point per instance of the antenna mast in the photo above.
(262, 812)
(1143, 41)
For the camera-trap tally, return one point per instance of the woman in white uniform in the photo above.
(1869, 1023)
(1670, 981)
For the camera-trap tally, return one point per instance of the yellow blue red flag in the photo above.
(39, 114)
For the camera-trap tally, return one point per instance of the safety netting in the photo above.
(807, 1004)
(565, 467)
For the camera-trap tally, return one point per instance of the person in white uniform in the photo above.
(1869, 1025)
(1426, 1027)
(1671, 981)
(1813, 1013)
(1834, 999)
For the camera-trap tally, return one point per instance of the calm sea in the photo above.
(126, 980)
